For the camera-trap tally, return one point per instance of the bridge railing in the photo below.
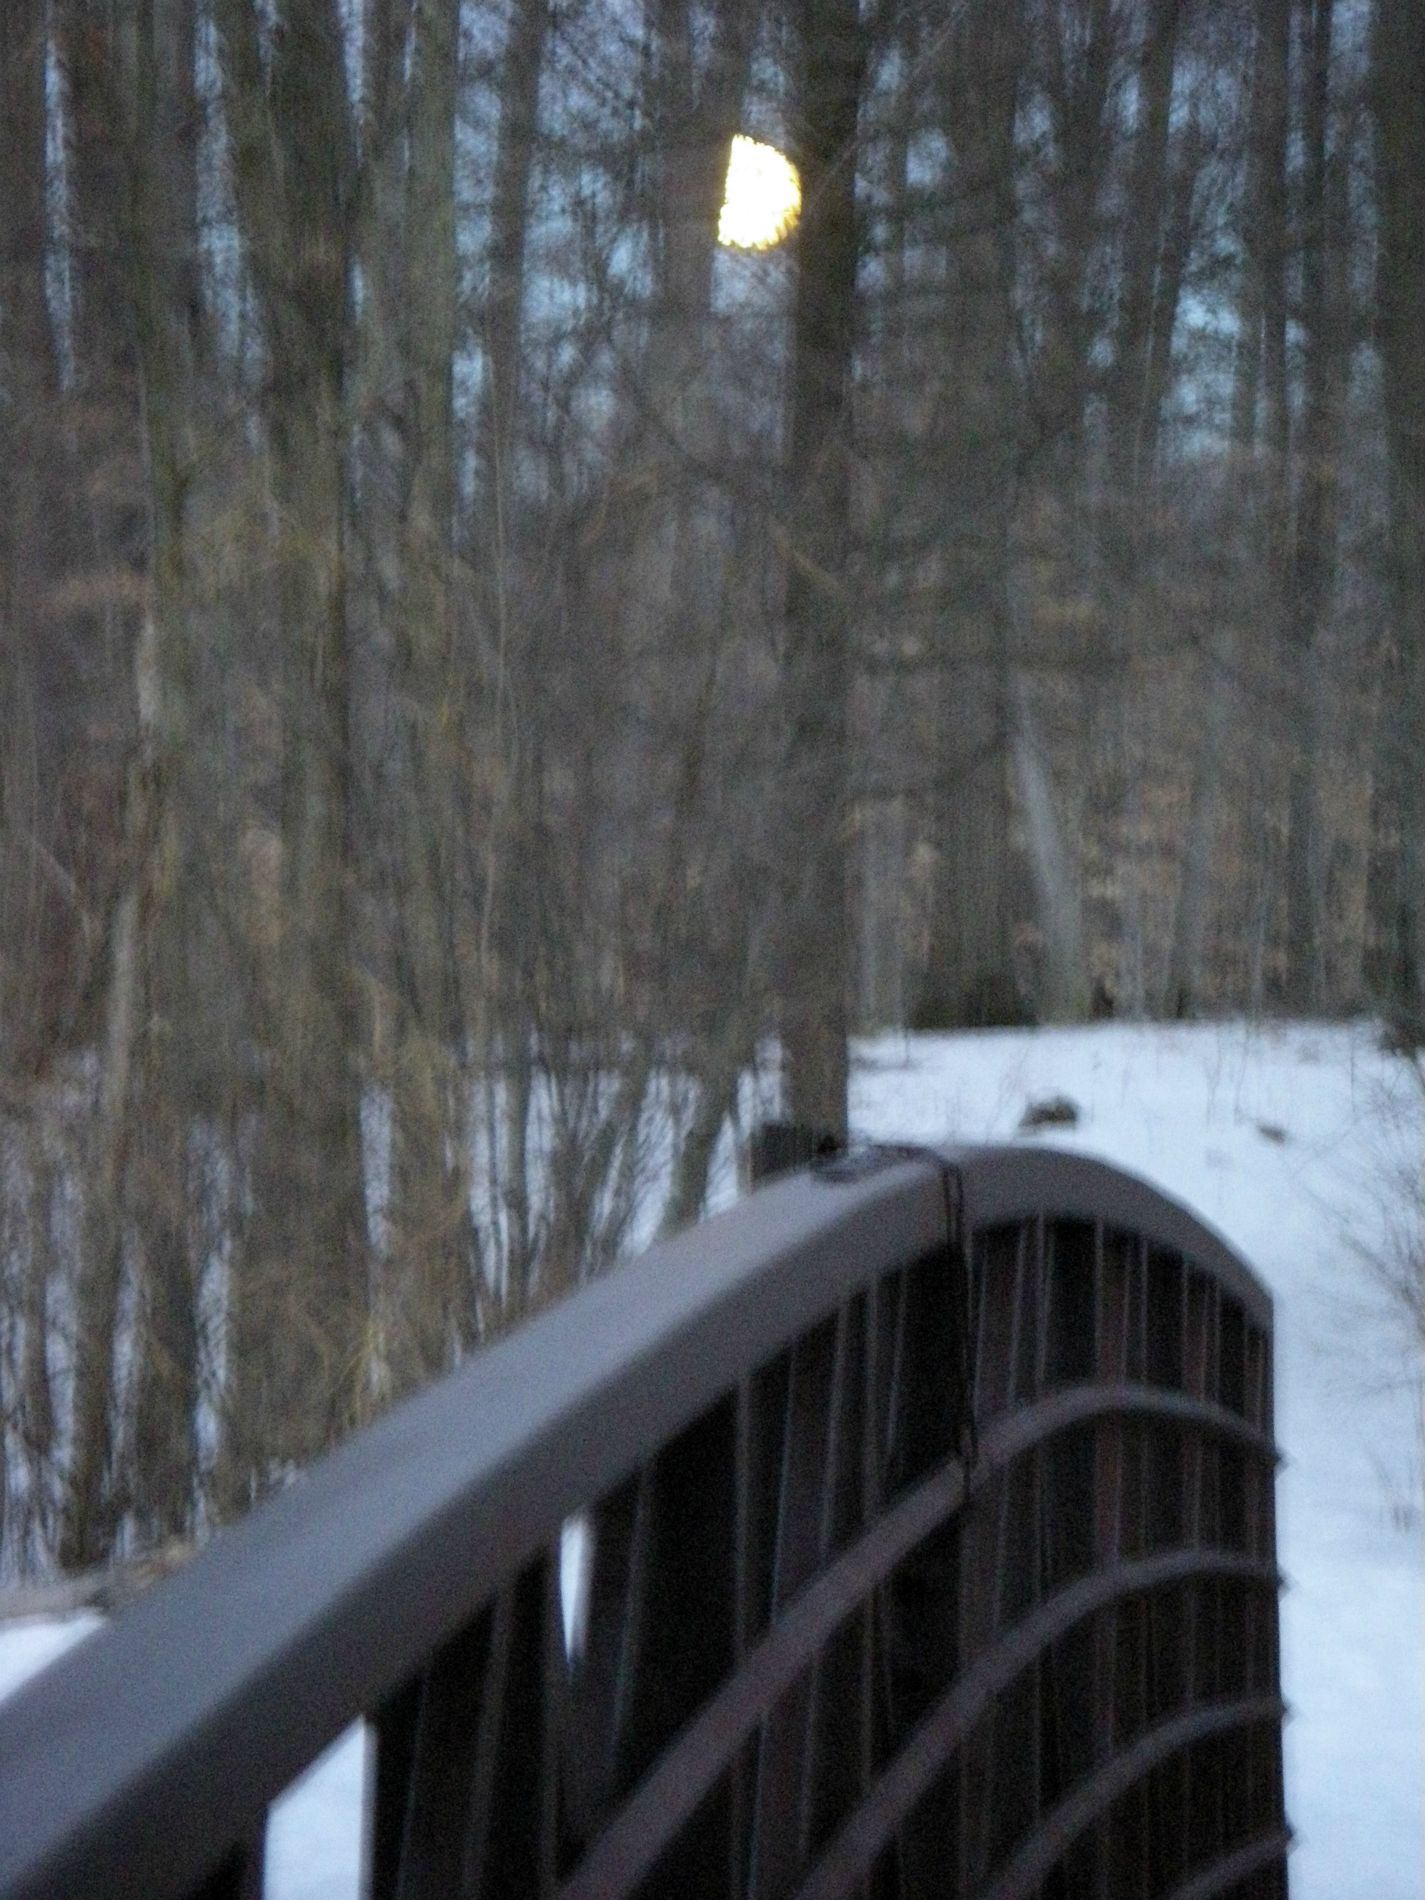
(926, 1512)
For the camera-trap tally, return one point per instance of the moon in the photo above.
(761, 199)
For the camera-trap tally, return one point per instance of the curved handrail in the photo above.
(308, 1614)
(1000, 1183)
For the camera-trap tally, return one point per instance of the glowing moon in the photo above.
(762, 197)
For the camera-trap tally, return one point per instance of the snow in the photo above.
(1296, 1141)
(315, 1832)
(32, 1643)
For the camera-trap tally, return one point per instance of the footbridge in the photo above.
(906, 1531)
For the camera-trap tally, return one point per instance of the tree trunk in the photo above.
(41, 927)
(1271, 126)
(1314, 551)
(1167, 297)
(1062, 993)
(87, 1515)
(522, 67)
(1182, 990)
(297, 1335)
(93, 49)
(971, 978)
(817, 665)
(31, 1278)
(1080, 45)
(434, 1258)
(1081, 48)
(1147, 219)
(1395, 967)
(162, 252)
(1158, 219)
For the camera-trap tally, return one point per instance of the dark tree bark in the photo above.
(434, 1256)
(162, 255)
(105, 410)
(1148, 218)
(506, 902)
(28, 363)
(1316, 522)
(1395, 967)
(1267, 240)
(1272, 116)
(971, 978)
(40, 925)
(1080, 51)
(817, 662)
(687, 568)
(1182, 991)
(297, 1330)
(522, 68)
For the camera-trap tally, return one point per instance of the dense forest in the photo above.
(483, 666)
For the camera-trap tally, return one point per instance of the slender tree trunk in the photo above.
(699, 107)
(675, 577)
(31, 1277)
(1167, 299)
(1182, 992)
(1080, 45)
(28, 366)
(507, 904)
(434, 1256)
(87, 1512)
(971, 977)
(1063, 986)
(818, 664)
(1080, 48)
(1271, 126)
(38, 931)
(162, 252)
(1241, 511)
(1147, 217)
(1157, 218)
(715, 1099)
(1314, 551)
(522, 68)
(1396, 963)
(138, 80)
(297, 1334)
(94, 48)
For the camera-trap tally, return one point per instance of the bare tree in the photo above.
(1317, 515)
(1397, 963)
(161, 248)
(106, 373)
(297, 1323)
(985, 71)
(433, 1266)
(817, 665)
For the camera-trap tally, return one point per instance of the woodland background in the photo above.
(478, 664)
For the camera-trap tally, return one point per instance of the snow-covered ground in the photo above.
(1293, 1140)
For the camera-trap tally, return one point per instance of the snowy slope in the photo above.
(1292, 1140)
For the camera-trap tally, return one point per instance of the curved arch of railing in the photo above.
(927, 1510)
